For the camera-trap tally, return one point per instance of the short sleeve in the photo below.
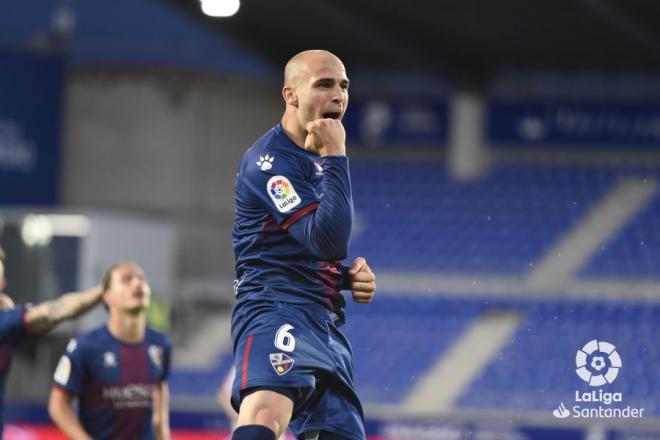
(167, 355)
(70, 369)
(283, 189)
(12, 325)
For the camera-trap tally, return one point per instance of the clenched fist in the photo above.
(326, 137)
(363, 281)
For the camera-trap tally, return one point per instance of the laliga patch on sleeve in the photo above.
(282, 193)
(63, 371)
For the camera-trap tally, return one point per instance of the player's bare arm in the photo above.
(43, 317)
(161, 411)
(363, 281)
(60, 411)
(6, 302)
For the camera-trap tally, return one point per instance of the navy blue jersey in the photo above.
(12, 329)
(293, 218)
(114, 381)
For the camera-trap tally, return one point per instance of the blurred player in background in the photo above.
(118, 371)
(17, 322)
(294, 214)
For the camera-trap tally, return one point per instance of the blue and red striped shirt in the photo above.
(114, 381)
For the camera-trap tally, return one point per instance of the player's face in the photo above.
(129, 290)
(322, 91)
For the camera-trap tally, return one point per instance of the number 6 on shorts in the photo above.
(285, 340)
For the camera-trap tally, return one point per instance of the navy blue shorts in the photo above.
(297, 347)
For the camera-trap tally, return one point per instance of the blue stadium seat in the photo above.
(415, 217)
(634, 252)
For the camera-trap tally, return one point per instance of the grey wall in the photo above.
(169, 146)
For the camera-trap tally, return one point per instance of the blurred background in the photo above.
(505, 162)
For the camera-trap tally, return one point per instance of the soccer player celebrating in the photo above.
(17, 322)
(294, 215)
(118, 371)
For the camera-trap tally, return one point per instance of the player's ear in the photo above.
(290, 96)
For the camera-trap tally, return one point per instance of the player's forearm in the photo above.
(67, 422)
(326, 231)
(162, 429)
(161, 412)
(43, 317)
(72, 428)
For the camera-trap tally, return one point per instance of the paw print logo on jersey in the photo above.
(71, 346)
(109, 359)
(598, 363)
(279, 189)
(265, 163)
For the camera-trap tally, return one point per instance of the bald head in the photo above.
(308, 61)
(315, 87)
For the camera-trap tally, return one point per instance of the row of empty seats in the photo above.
(414, 216)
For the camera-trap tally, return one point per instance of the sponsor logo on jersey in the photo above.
(281, 363)
(282, 193)
(132, 395)
(319, 168)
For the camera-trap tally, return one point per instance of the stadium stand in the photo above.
(415, 217)
(536, 370)
(634, 252)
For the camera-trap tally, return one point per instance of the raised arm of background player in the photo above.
(326, 231)
(41, 318)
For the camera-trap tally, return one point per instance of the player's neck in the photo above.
(128, 328)
(292, 129)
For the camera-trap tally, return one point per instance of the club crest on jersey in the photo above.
(156, 355)
(282, 193)
(281, 363)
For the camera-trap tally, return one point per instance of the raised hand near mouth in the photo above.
(326, 137)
